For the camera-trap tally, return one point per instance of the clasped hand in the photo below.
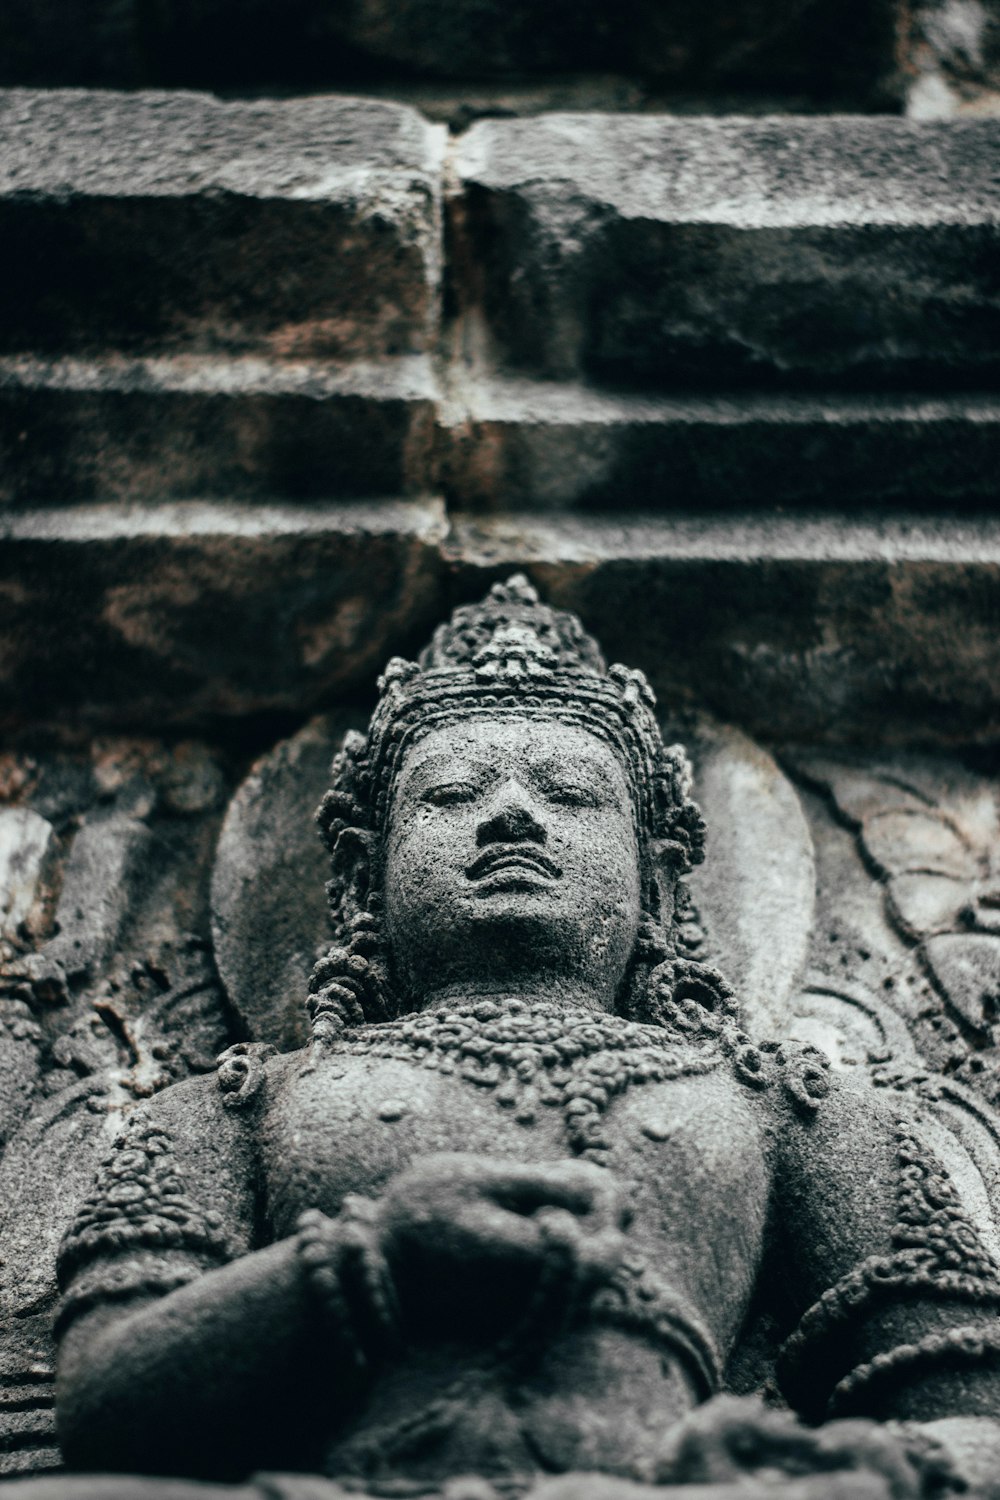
(468, 1238)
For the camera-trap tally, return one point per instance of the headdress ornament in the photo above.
(510, 654)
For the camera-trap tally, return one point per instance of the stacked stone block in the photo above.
(280, 379)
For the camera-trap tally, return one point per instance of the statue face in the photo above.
(511, 861)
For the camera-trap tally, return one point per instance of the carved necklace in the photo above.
(529, 1056)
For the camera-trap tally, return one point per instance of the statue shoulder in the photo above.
(176, 1194)
(837, 1176)
(206, 1125)
(851, 1154)
(211, 1110)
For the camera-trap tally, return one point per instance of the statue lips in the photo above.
(515, 865)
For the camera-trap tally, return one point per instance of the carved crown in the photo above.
(512, 654)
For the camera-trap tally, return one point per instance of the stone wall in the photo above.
(282, 380)
(292, 376)
(461, 57)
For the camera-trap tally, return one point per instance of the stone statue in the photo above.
(530, 1197)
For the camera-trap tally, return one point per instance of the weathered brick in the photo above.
(554, 445)
(148, 429)
(847, 49)
(821, 627)
(299, 228)
(672, 251)
(874, 629)
(173, 614)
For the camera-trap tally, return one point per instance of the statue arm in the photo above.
(184, 1348)
(889, 1247)
(206, 1380)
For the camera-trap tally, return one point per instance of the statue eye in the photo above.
(449, 792)
(568, 794)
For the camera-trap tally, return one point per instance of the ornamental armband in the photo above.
(349, 1276)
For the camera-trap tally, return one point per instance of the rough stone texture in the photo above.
(659, 252)
(807, 45)
(28, 847)
(851, 895)
(459, 103)
(869, 996)
(817, 626)
(170, 614)
(520, 1072)
(519, 444)
(881, 628)
(953, 54)
(671, 251)
(846, 1486)
(107, 993)
(929, 828)
(172, 428)
(297, 227)
(791, 43)
(115, 428)
(267, 885)
(270, 919)
(851, 1486)
(759, 870)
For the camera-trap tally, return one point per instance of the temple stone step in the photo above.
(555, 445)
(669, 251)
(812, 627)
(177, 221)
(651, 250)
(171, 427)
(119, 427)
(172, 614)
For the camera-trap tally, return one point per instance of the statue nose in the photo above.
(513, 823)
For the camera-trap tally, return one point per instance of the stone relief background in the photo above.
(162, 902)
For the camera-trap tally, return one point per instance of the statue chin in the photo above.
(506, 949)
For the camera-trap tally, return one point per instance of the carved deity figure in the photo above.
(530, 1195)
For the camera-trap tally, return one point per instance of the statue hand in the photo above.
(474, 1235)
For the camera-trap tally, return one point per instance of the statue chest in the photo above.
(689, 1143)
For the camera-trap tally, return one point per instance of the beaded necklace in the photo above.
(540, 1055)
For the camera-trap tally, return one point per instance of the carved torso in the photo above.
(355, 1117)
(684, 1136)
(729, 1155)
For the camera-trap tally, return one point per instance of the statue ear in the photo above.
(351, 863)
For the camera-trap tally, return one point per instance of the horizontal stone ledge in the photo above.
(175, 220)
(176, 614)
(160, 428)
(850, 47)
(120, 428)
(875, 629)
(809, 629)
(672, 250)
(554, 445)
